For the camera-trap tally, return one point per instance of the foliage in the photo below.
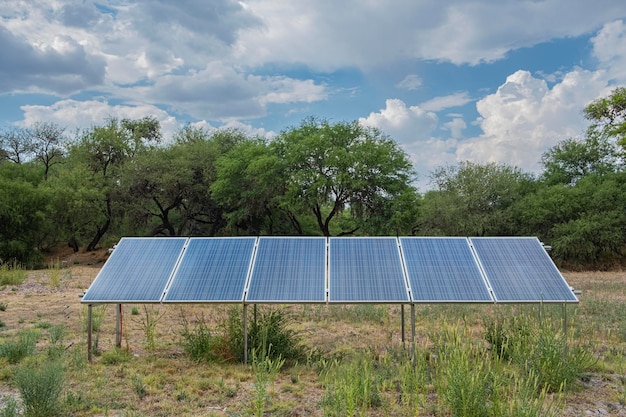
(40, 388)
(198, 342)
(12, 274)
(608, 115)
(541, 351)
(20, 346)
(270, 333)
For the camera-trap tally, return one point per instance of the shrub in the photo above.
(269, 333)
(198, 342)
(40, 388)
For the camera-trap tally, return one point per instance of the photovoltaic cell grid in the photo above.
(289, 270)
(137, 271)
(212, 270)
(359, 270)
(520, 270)
(366, 270)
(443, 270)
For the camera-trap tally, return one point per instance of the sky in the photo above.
(452, 80)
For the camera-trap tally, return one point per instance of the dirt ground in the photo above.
(55, 299)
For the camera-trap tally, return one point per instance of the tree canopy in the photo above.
(122, 178)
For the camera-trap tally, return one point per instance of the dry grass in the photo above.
(162, 381)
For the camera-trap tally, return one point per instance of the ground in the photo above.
(51, 296)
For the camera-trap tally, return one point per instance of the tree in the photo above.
(249, 185)
(608, 115)
(47, 144)
(572, 159)
(330, 168)
(472, 199)
(104, 150)
(16, 145)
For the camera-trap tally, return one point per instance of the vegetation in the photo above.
(485, 360)
(317, 178)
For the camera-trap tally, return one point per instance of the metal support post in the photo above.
(89, 330)
(245, 333)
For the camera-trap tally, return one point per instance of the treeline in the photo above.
(318, 178)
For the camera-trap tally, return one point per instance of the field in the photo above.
(356, 362)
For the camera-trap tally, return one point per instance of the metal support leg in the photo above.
(118, 327)
(413, 330)
(402, 321)
(89, 330)
(245, 333)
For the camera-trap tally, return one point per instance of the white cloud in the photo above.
(405, 124)
(524, 118)
(410, 82)
(609, 47)
(86, 114)
(327, 35)
(456, 127)
(440, 103)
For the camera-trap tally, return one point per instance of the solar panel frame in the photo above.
(137, 271)
(278, 260)
(520, 270)
(345, 286)
(212, 270)
(437, 267)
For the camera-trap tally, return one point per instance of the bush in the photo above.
(40, 388)
(199, 343)
(269, 333)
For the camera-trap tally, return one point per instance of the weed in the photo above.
(141, 389)
(40, 387)
(148, 323)
(19, 347)
(115, 357)
(265, 369)
(198, 342)
(10, 408)
(134, 311)
(12, 274)
(3, 306)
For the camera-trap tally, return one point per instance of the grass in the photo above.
(12, 275)
(352, 364)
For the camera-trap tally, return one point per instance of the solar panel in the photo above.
(443, 270)
(212, 270)
(137, 271)
(520, 270)
(289, 269)
(366, 270)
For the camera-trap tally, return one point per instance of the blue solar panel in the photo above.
(289, 269)
(443, 270)
(137, 271)
(212, 269)
(366, 270)
(520, 270)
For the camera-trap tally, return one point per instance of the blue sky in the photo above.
(482, 80)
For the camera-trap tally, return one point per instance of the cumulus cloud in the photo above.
(86, 114)
(403, 123)
(525, 117)
(445, 102)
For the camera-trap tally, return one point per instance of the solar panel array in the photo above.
(329, 270)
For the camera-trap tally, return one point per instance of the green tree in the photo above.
(103, 151)
(171, 184)
(572, 159)
(473, 199)
(22, 207)
(249, 185)
(330, 168)
(608, 115)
